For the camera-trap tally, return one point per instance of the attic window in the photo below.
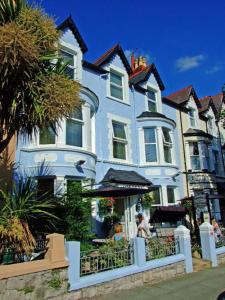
(191, 114)
(152, 100)
(70, 59)
(116, 85)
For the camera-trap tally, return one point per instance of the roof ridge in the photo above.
(106, 53)
(179, 91)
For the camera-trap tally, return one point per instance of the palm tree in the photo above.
(20, 209)
(34, 90)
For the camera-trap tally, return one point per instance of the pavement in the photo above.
(203, 285)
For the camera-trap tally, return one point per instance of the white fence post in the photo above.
(208, 243)
(73, 255)
(183, 235)
(139, 251)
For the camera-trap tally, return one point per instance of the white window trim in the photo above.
(171, 148)
(45, 145)
(82, 123)
(120, 140)
(127, 123)
(74, 67)
(160, 195)
(192, 118)
(77, 59)
(157, 91)
(199, 155)
(176, 196)
(142, 147)
(125, 84)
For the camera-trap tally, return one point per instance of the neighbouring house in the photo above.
(122, 137)
(200, 144)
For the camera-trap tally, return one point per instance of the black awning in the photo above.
(168, 214)
(116, 191)
(117, 183)
(125, 177)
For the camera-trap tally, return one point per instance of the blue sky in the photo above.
(185, 39)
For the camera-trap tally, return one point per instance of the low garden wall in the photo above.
(50, 284)
(128, 282)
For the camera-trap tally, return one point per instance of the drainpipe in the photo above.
(185, 162)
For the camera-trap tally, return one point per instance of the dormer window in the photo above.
(152, 100)
(192, 119)
(116, 85)
(69, 58)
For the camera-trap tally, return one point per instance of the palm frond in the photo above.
(10, 9)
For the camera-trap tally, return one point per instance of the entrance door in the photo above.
(125, 209)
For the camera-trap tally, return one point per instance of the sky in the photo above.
(185, 39)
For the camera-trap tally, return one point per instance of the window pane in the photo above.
(195, 163)
(150, 153)
(69, 72)
(68, 57)
(149, 134)
(47, 136)
(155, 195)
(119, 130)
(119, 150)
(152, 106)
(151, 95)
(116, 92)
(77, 113)
(194, 148)
(73, 133)
(167, 154)
(115, 78)
(170, 195)
(45, 187)
(166, 134)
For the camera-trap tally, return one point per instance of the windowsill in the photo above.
(118, 100)
(158, 165)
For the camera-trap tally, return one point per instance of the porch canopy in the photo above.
(168, 214)
(119, 183)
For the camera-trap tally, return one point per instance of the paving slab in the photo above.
(203, 285)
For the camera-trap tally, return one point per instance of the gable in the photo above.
(117, 62)
(152, 81)
(68, 37)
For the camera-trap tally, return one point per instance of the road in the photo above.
(204, 285)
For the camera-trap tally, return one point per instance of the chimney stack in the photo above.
(138, 64)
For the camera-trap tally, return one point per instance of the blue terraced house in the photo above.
(122, 140)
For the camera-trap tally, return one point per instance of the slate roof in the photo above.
(218, 101)
(143, 75)
(182, 96)
(197, 132)
(107, 57)
(150, 114)
(69, 23)
(126, 177)
(206, 102)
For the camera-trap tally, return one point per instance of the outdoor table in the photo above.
(99, 241)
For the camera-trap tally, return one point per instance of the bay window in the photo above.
(47, 136)
(156, 196)
(194, 156)
(150, 144)
(119, 140)
(216, 161)
(116, 85)
(74, 127)
(69, 58)
(152, 100)
(171, 194)
(167, 145)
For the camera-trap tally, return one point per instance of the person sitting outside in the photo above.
(217, 231)
(119, 234)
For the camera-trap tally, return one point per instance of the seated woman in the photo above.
(119, 234)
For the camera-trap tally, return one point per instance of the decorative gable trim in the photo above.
(108, 56)
(69, 23)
